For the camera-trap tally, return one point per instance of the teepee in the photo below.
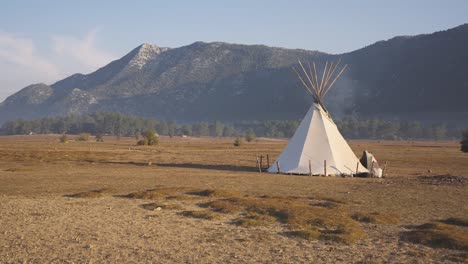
(317, 147)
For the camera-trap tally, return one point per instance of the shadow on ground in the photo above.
(207, 167)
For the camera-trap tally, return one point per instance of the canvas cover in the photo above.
(317, 139)
(368, 160)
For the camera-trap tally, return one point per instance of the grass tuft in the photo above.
(331, 224)
(153, 206)
(154, 194)
(327, 199)
(305, 234)
(254, 220)
(456, 221)
(438, 235)
(458, 257)
(90, 194)
(226, 206)
(377, 218)
(214, 193)
(205, 214)
(182, 197)
(327, 204)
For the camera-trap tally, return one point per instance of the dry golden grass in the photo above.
(377, 218)
(41, 168)
(332, 224)
(214, 193)
(253, 220)
(305, 234)
(204, 214)
(438, 235)
(37, 165)
(456, 221)
(157, 193)
(155, 206)
(91, 194)
(182, 197)
(459, 257)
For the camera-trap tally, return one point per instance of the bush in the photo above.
(150, 137)
(250, 136)
(63, 138)
(238, 142)
(464, 142)
(82, 137)
(99, 138)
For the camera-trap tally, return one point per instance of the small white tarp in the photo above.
(317, 139)
(368, 160)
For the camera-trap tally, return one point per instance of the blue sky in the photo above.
(44, 41)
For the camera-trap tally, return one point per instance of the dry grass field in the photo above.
(201, 200)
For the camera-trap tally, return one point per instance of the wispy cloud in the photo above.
(22, 63)
(83, 51)
(22, 52)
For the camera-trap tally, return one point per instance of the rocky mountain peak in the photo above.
(145, 52)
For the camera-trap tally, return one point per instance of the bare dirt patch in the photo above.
(444, 179)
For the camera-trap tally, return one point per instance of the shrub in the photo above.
(238, 142)
(63, 138)
(99, 138)
(82, 137)
(151, 137)
(464, 142)
(250, 136)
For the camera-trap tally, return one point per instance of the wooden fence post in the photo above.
(372, 170)
(259, 166)
(278, 166)
(310, 168)
(261, 161)
(268, 161)
(325, 167)
(357, 167)
(384, 169)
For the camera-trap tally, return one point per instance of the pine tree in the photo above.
(464, 142)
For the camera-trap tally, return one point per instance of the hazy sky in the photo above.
(44, 41)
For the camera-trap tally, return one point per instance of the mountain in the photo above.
(422, 77)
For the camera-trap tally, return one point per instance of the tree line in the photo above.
(127, 125)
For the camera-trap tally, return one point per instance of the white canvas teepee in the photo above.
(317, 146)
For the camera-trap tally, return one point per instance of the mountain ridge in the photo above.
(397, 78)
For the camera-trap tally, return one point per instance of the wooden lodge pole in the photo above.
(357, 167)
(384, 169)
(310, 168)
(258, 165)
(325, 167)
(278, 166)
(371, 170)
